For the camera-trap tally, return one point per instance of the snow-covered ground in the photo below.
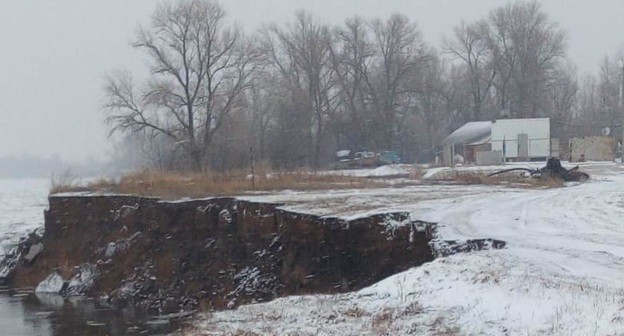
(393, 170)
(22, 202)
(562, 272)
(351, 203)
(441, 172)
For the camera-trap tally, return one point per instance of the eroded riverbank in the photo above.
(167, 257)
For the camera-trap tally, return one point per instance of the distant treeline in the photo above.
(293, 94)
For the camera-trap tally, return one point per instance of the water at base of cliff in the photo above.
(22, 203)
(34, 314)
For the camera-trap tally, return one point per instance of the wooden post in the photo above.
(253, 173)
(504, 151)
(464, 153)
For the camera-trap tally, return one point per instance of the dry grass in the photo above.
(413, 308)
(355, 312)
(170, 185)
(174, 185)
(382, 321)
(548, 182)
(468, 178)
(474, 178)
(416, 174)
(514, 179)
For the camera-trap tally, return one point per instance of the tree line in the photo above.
(291, 95)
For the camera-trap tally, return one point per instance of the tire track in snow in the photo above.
(577, 227)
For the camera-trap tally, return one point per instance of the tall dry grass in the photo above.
(512, 178)
(172, 185)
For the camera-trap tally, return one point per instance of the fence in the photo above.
(527, 149)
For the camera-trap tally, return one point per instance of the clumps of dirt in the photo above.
(443, 248)
(81, 281)
(261, 280)
(144, 290)
(450, 247)
(26, 252)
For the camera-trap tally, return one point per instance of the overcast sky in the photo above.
(55, 54)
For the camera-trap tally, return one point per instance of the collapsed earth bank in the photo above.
(213, 253)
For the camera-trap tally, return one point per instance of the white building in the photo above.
(500, 140)
(522, 139)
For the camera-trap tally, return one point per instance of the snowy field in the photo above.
(383, 171)
(562, 272)
(22, 202)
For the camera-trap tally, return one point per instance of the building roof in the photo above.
(472, 133)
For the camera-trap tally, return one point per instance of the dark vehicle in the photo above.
(389, 157)
(365, 159)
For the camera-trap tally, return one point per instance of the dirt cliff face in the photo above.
(214, 253)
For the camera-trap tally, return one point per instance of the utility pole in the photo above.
(621, 97)
(253, 173)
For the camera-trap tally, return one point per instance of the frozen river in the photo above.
(22, 204)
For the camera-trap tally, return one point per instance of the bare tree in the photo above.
(352, 54)
(608, 88)
(301, 55)
(585, 118)
(562, 95)
(526, 46)
(262, 105)
(401, 53)
(200, 65)
(470, 46)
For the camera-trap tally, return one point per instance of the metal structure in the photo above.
(522, 139)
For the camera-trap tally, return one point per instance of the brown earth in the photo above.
(217, 253)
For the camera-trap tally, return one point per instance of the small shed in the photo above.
(492, 142)
(468, 140)
(593, 148)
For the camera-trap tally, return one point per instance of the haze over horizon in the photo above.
(56, 55)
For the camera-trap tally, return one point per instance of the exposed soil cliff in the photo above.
(212, 253)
